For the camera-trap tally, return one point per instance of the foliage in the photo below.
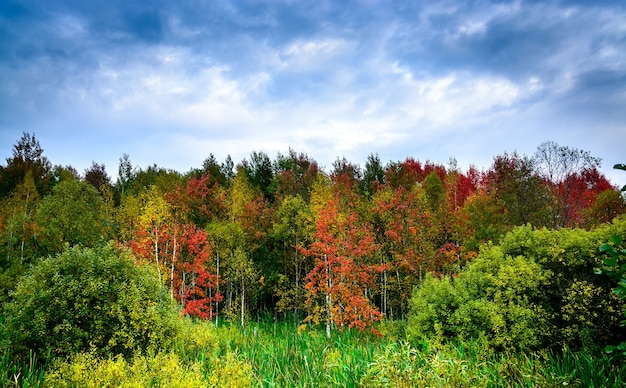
(90, 299)
(72, 214)
(258, 242)
(230, 371)
(524, 195)
(469, 365)
(496, 299)
(27, 158)
(615, 268)
(563, 167)
(590, 314)
(338, 283)
(534, 289)
(277, 354)
(160, 370)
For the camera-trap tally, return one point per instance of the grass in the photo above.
(22, 373)
(271, 354)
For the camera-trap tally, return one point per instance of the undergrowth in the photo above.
(270, 354)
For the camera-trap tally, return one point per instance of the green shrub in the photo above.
(536, 288)
(90, 299)
(432, 306)
(230, 371)
(590, 314)
(160, 370)
(497, 298)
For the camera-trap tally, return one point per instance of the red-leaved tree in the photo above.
(340, 283)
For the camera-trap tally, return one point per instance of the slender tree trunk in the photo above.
(243, 299)
(218, 290)
(329, 301)
(173, 260)
(156, 249)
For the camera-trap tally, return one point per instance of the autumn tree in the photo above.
(346, 171)
(196, 287)
(403, 221)
(143, 221)
(340, 283)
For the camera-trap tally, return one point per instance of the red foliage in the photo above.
(341, 275)
(184, 255)
(580, 192)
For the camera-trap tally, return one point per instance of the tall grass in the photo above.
(21, 373)
(281, 355)
(271, 354)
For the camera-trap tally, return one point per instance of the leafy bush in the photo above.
(161, 370)
(230, 371)
(536, 288)
(590, 314)
(497, 299)
(615, 268)
(90, 299)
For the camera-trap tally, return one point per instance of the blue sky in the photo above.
(171, 82)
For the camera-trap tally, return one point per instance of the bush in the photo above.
(537, 288)
(90, 299)
(161, 370)
(497, 299)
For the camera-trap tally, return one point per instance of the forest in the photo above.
(275, 272)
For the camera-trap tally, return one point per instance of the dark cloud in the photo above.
(475, 70)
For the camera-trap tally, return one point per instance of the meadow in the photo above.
(277, 354)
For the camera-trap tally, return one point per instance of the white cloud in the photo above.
(69, 26)
(307, 55)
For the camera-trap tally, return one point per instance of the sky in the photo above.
(171, 82)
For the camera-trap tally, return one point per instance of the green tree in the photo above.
(27, 156)
(18, 244)
(481, 219)
(373, 174)
(291, 229)
(71, 214)
(497, 299)
(525, 196)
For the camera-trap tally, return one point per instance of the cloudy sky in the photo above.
(170, 82)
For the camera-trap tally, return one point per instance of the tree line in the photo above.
(283, 237)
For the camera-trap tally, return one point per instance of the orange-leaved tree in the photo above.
(340, 283)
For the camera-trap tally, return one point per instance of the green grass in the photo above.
(279, 355)
(21, 373)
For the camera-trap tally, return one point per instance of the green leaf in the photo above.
(597, 271)
(606, 247)
(610, 348)
(620, 166)
(610, 261)
(616, 239)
